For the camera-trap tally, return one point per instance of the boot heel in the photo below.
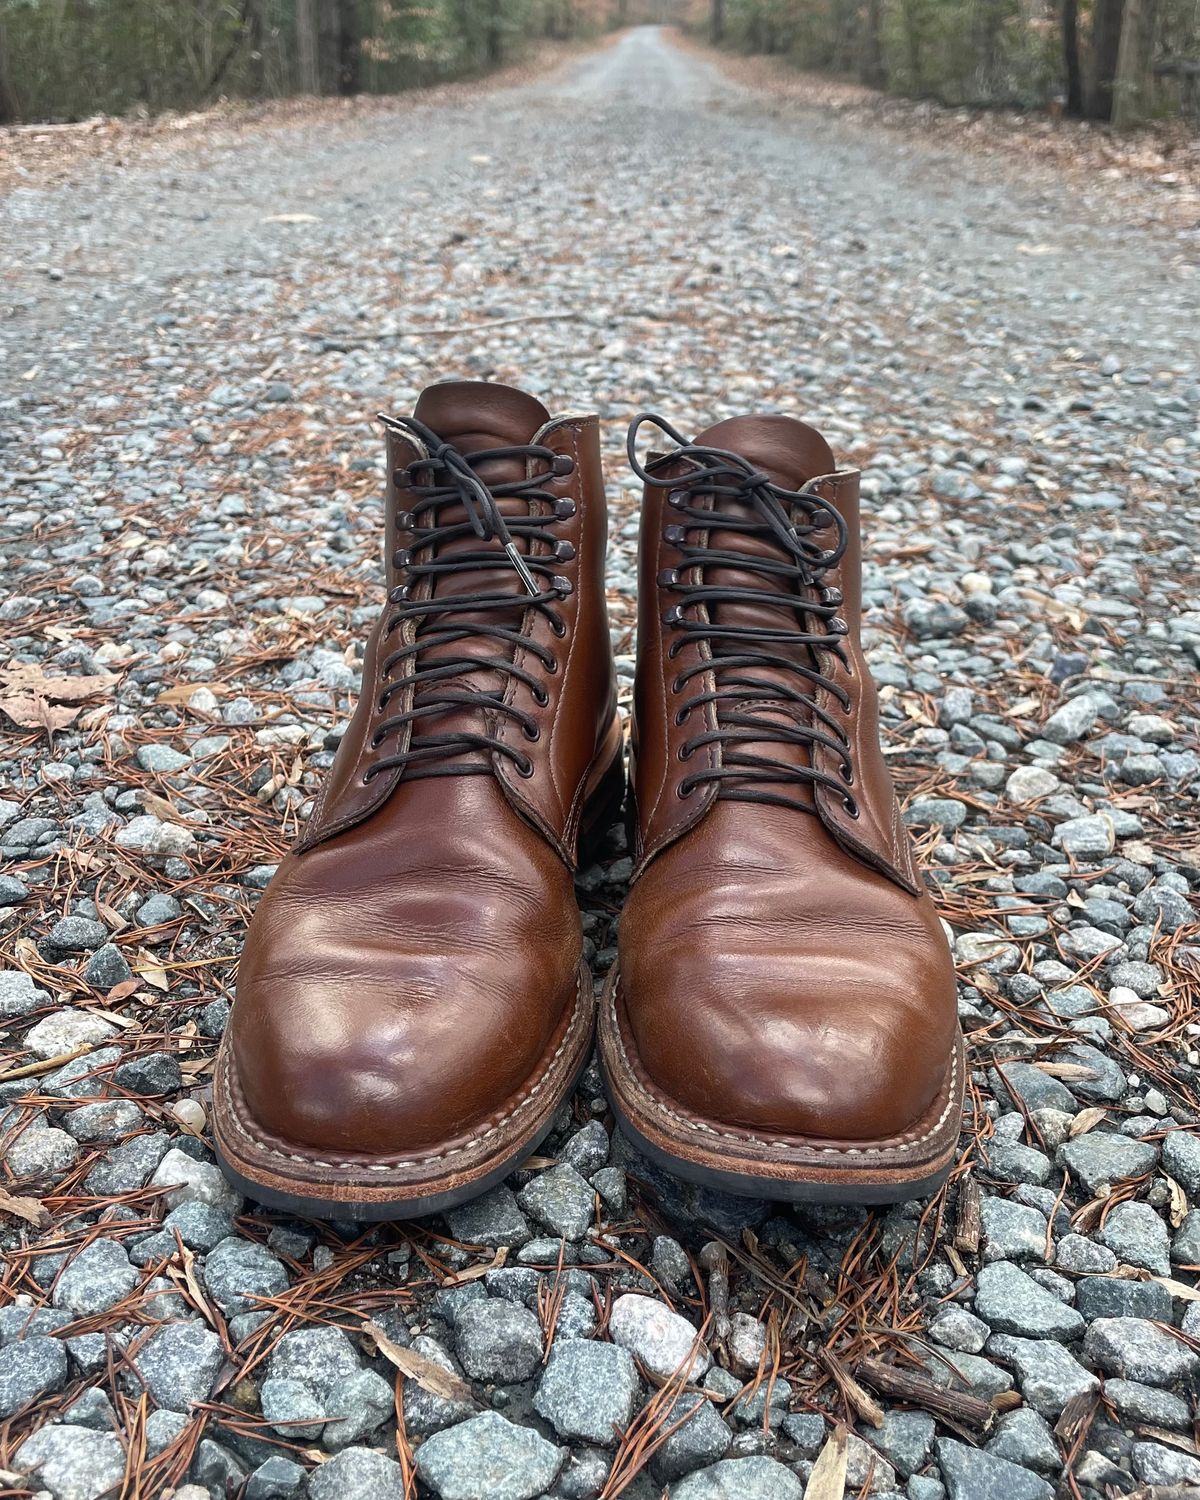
(603, 808)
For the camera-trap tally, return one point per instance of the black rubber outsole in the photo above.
(779, 1190)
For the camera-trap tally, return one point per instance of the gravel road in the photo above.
(196, 327)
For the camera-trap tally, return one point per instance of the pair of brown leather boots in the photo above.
(413, 1005)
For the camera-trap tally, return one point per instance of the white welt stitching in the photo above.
(388, 1165)
(744, 1137)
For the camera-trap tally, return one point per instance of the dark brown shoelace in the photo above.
(745, 501)
(446, 481)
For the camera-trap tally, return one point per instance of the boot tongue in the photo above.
(790, 453)
(474, 415)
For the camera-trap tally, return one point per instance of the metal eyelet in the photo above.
(686, 751)
(675, 536)
(533, 734)
(541, 697)
(677, 684)
(682, 715)
(668, 578)
(564, 552)
(402, 557)
(562, 586)
(563, 465)
(851, 806)
(846, 772)
(831, 596)
(564, 509)
(524, 767)
(685, 788)
(558, 627)
(673, 616)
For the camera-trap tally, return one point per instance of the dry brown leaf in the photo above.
(28, 1209)
(428, 1374)
(1068, 1072)
(476, 1272)
(34, 701)
(159, 807)
(111, 918)
(1087, 1119)
(150, 971)
(1178, 1289)
(181, 692)
(1179, 1204)
(828, 1478)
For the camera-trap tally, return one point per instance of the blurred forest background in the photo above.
(1123, 61)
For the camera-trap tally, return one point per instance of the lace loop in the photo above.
(428, 665)
(753, 711)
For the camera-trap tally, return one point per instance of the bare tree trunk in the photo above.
(348, 79)
(308, 78)
(8, 102)
(1131, 86)
(1070, 46)
(1106, 43)
(716, 26)
(871, 70)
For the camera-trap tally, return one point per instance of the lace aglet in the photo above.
(518, 562)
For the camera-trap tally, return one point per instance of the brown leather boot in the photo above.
(412, 1002)
(781, 1020)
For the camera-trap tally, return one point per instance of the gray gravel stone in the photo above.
(702, 1438)
(560, 1200)
(42, 1153)
(356, 1408)
(1116, 1297)
(1100, 1157)
(358, 1472)
(1139, 1350)
(95, 1279)
(1081, 1256)
(237, 1272)
(1181, 1159)
(190, 1181)
(1137, 1236)
(1048, 1375)
(972, 1474)
(1135, 1402)
(588, 1390)
(19, 996)
(77, 934)
(905, 1440)
(488, 1458)
(1012, 1302)
(1071, 721)
(277, 1478)
(179, 1363)
(493, 1220)
(1168, 1468)
(72, 1463)
(755, 1478)
(496, 1341)
(1025, 1439)
(1012, 1231)
(663, 1340)
(32, 1368)
(294, 1410)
